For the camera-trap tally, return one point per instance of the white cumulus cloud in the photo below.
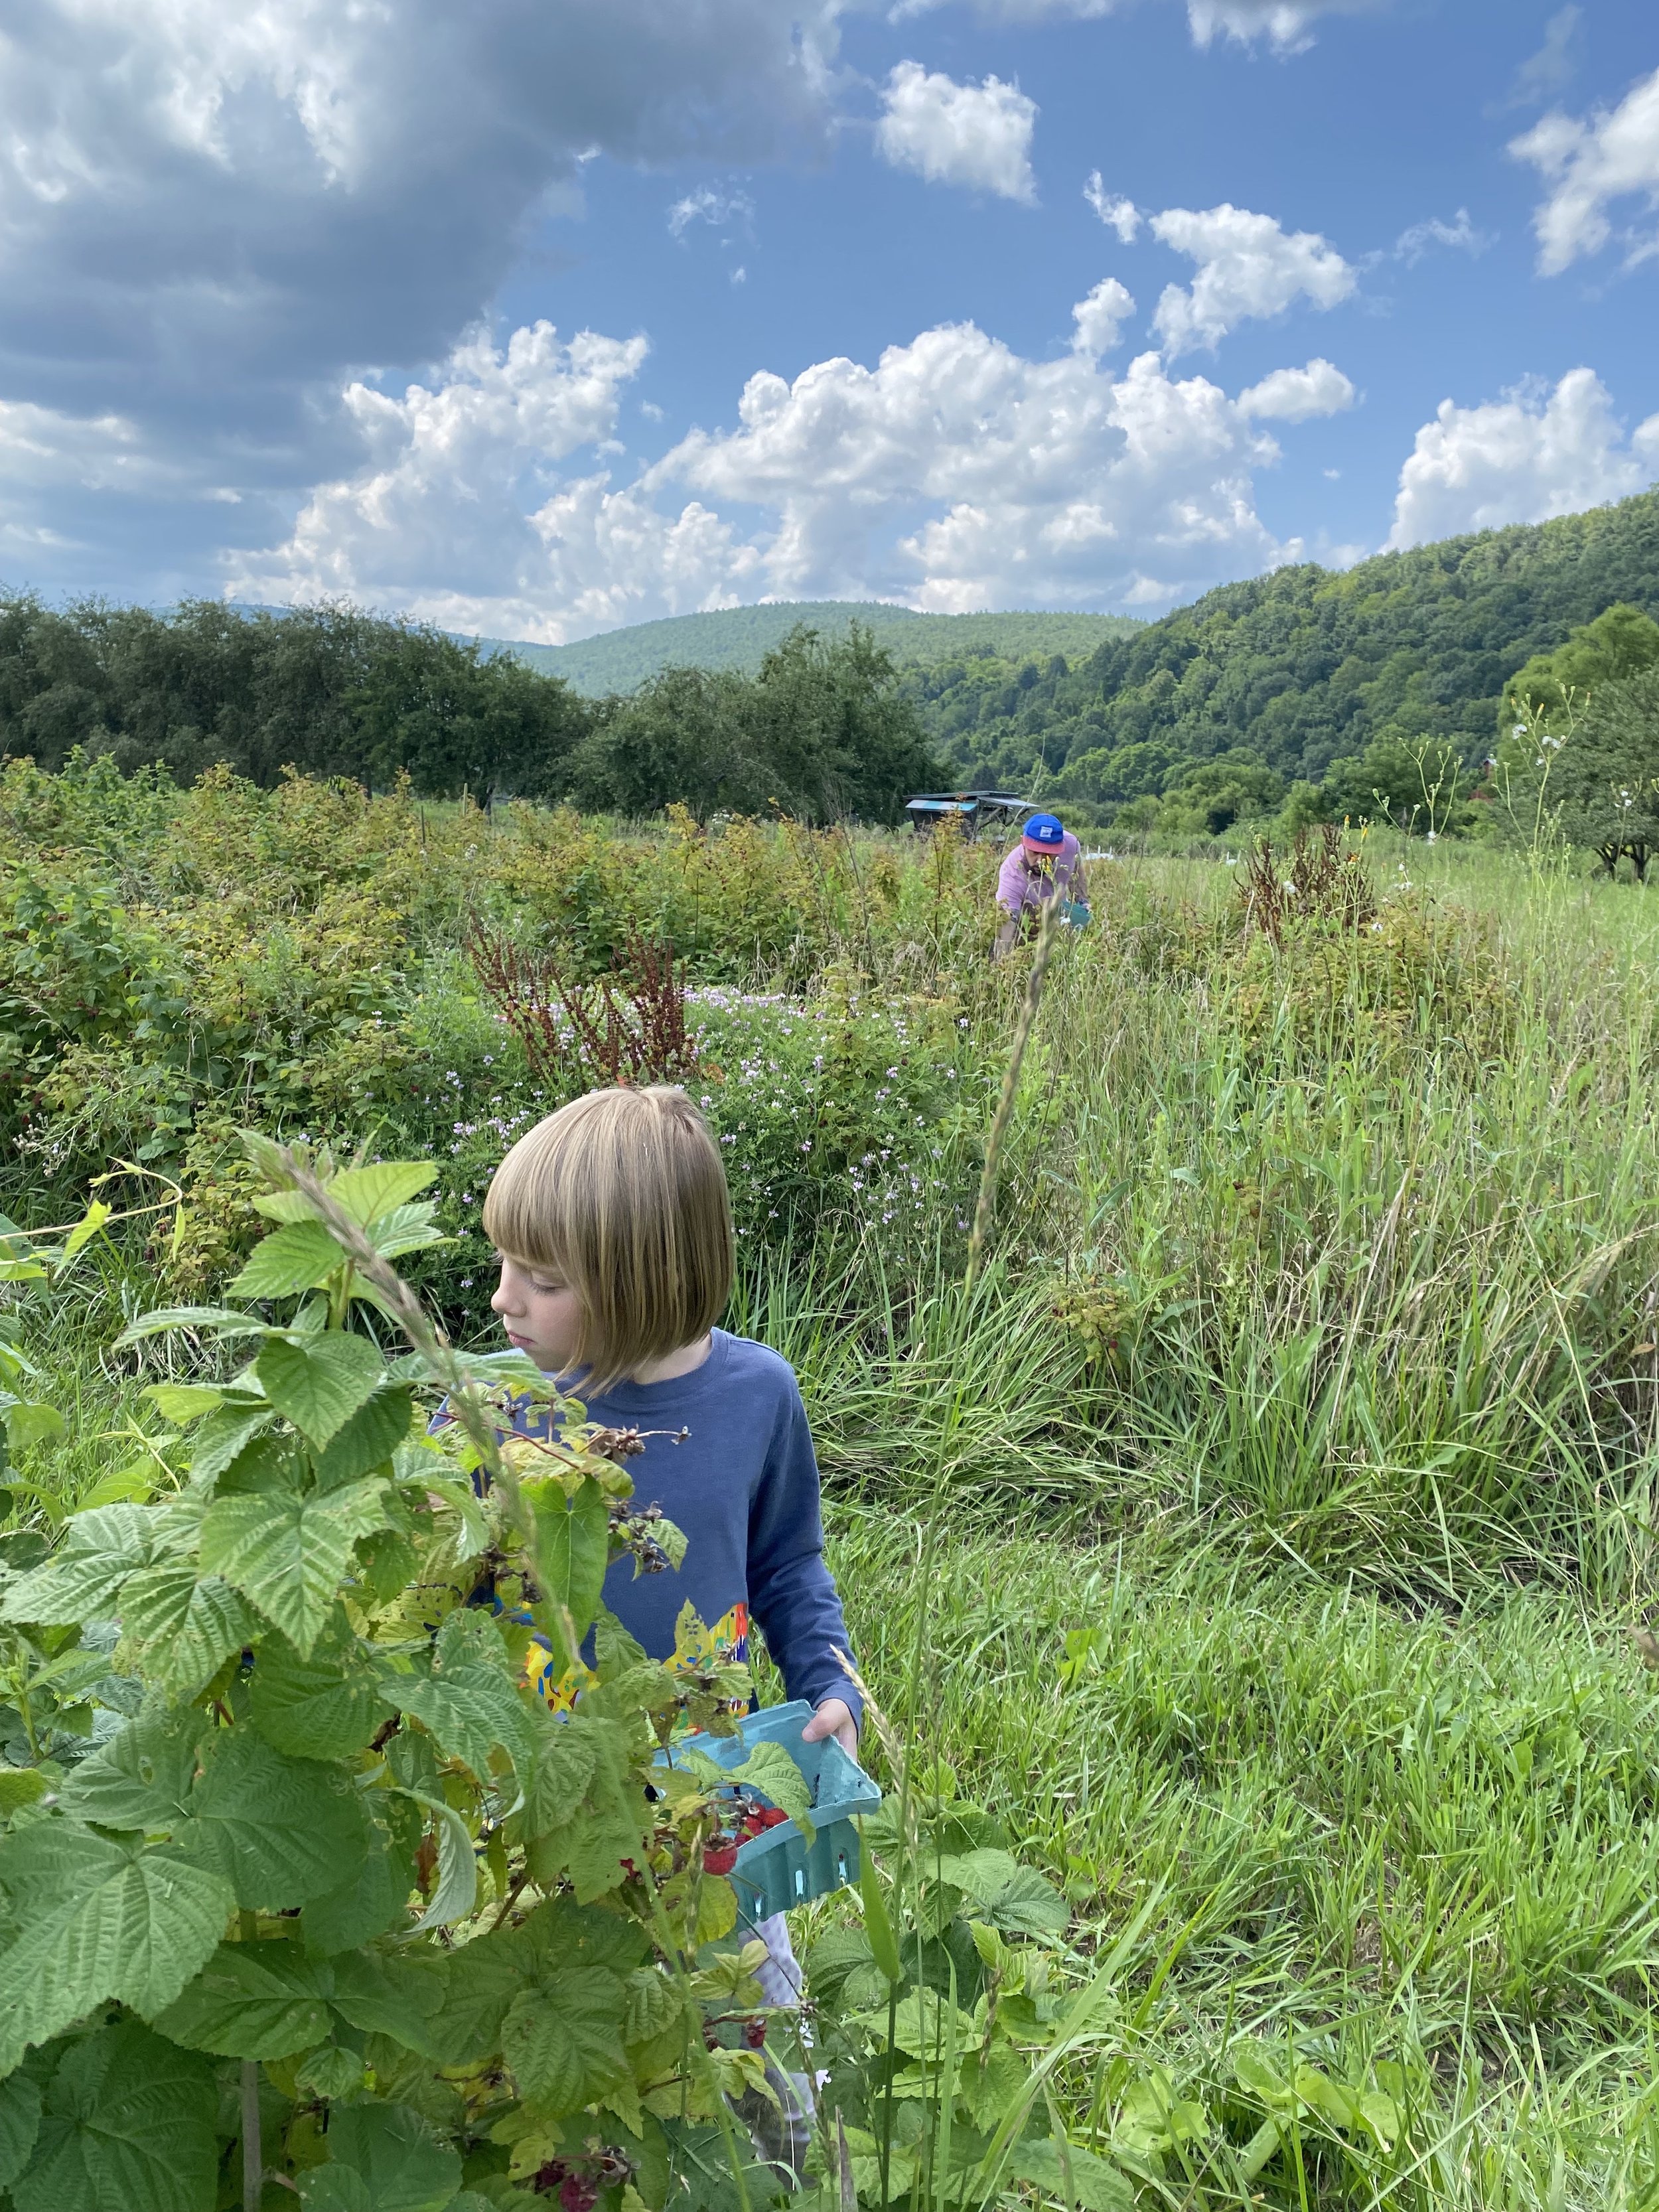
(955, 473)
(1296, 395)
(1589, 165)
(1285, 24)
(1248, 266)
(1095, 320)
(1053, 482)
(1522, 459)
(457, 515)
(1116, 212)
(975, 135)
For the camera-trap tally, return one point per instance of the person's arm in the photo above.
(1081, 884)
(792, 1594)
(1006, 937)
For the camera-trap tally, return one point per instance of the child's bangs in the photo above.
(521, 1218)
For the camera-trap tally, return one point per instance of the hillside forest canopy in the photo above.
(1419, 687)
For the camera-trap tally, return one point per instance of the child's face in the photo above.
(541, 1316)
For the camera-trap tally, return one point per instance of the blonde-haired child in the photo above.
(613, 1222)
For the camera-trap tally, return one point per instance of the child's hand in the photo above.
(834, 1718)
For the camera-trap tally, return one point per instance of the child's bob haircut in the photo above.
(621, 1197)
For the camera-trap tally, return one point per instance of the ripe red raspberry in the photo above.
(754, 2034)
(720, 1858)
(579, 2192)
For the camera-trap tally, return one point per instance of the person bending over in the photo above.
(1046, 863)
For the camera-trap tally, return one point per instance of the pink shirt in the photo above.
(1019, 886)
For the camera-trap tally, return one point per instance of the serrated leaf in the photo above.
(129, 2122)
(217, 1320)
(364, 1193)
(222, 1438)
(406, 1229)
(186, 1628)
(397, 1994)
(377, 1897)
(485, 1977)
(329, 2070)
(101, 1919)
(288, 1554)
(392, 2150)
(654, 2005)
(1074, 2175)
(573, 1545)
(324, 1706)
(319, 1382)
(368, 1438)
(294, 1258)
(141, 1780)
(251, 2001)
(470, 1701)
(564, 2039)
(283, 1831)
(334, 2188)
(1014, 1897)
(564, 1759)
(20, 2123)
(769, 1769)
(456, 1891)
(83, 1577)
(367, 1194)
(179, 1402)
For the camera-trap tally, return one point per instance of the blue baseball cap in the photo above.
(1043, 833)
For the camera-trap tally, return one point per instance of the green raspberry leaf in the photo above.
(252, 2000)
(325, 1706)
(368, 1438)
(319, 1382)
(395, 2155)
(83, 1577)
(281, 1831)
(20, 2123)
(288, 1554)
(141, 1778)
(100, 1919)
(469, 1701)
(290, 1260)
(184, 1630)
(129, 2122)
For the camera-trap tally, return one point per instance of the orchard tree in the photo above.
(1606, 779)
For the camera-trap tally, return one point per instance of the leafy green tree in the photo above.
(1421, 786)
(824, 731)
(1210, 797)
(836, 730)
(1620, 642)
(685, 736)
(1605, 781)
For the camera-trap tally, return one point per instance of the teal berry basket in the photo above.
(780, 1869)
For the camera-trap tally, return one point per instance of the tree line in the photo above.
(823, 730)
(1294, 677)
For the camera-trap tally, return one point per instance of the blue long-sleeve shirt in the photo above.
(743, 1488)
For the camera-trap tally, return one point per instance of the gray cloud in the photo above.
(209, 216)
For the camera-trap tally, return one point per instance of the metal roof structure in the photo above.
(972, 805)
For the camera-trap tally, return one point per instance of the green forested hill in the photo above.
(740, 638)
(1307, 665)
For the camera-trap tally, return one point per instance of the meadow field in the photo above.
(1267, 1535)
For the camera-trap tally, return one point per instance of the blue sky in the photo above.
(543, 315)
